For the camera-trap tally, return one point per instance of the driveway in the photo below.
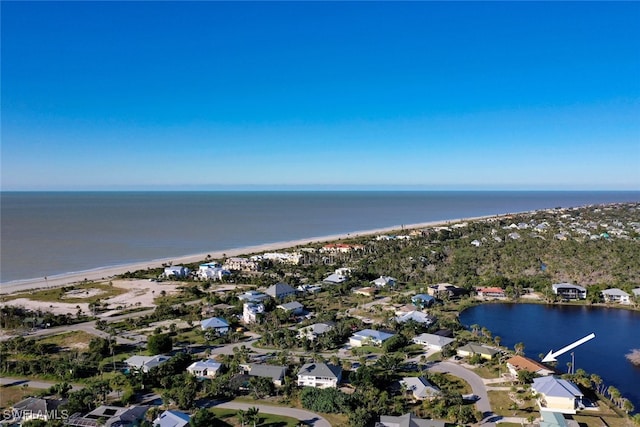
(299, 414)
(474, 380)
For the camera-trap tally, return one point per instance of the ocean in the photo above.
(50, 233)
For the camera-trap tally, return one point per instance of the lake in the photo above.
(544, 327)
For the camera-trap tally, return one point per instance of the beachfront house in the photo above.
(420, 388)
(280, 291)
(172, 419)
(616, 295)
(557, 395)
(176, 272)
(472, 349)
(369, 337)
(432, 341)
(569, 291)
(521, 363)
(145, 363)
(215, 324)
(240, 264)
(204, 368)
(319, 375)
(212, 271)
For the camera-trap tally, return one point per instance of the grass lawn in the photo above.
(228, 416)
(501, 402)
(13, 394)
(78, 340)
(487, 371)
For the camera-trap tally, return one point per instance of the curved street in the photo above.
(306, 417)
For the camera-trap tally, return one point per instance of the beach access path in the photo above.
(106, 273)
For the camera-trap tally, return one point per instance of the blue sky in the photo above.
(415, 95)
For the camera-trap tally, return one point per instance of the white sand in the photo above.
(109, 272)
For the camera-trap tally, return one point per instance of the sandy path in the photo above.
(108, 272)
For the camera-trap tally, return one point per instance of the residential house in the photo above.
(340, 275)
(145, 363)
(115, 416)
(471, 349)
(293, 258)
(407, 420)
(280, 291)
(204, 368)
(416, 316)
(250, 312)
(557, 395)
(172, 419)
(217, 324)
(441, 290)
(369, 337)
(212, 271)
(420, 388)
(383, 281)
(433, 341)
(311, 289)
(521, 363)
(311, 332)
(273, 372)
(422, 300)
(343, 248)
(253, 296)
(293, 307)
(552, 419)
(636, 292)
(491, 292)
(616, 295)
(569, 291)
(240, 264)
(319, 375)
(477, 243)
(35, 408)
(176, 272)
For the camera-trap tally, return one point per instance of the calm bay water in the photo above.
(547, 327)
(48, 233)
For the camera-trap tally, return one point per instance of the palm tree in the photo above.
(252, 415)
(242, 416)
(519, 348)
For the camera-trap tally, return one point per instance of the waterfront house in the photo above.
(369, 337)
(442, 290)
(312, 332)
(422, 300)
(491, 292)
(204, 368)
(293, 307)
(319, 375)
(240, 264)
(557, 395)
(471, 349)
(172, 419)
(145, 363)
(35, 408)
(569, 291)
(521, 363)
(250, 312)
(275, 373)
(616, 295)
(420, 388)
(407, 420)
(432, 341)
(212, 271)
(217, 324)
(636, 292)
(416, 316)
(280, 291)
(383, 281)
(176, 272)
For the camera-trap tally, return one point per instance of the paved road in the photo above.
(299, 414)
(19, 382)
(475, 381)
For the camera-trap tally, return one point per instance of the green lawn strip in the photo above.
(230, 416)
(501, 404)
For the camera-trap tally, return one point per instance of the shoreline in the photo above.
(108, 272)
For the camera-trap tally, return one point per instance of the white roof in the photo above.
(416, 316)
(615, 292)
(420, 387)
(214, 322)
(556, 387)
(172, 419)
(204, 364)
(432, 339)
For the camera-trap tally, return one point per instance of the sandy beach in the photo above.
(106, 273)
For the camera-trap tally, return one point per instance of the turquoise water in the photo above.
(48, 233)
(547, 327)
